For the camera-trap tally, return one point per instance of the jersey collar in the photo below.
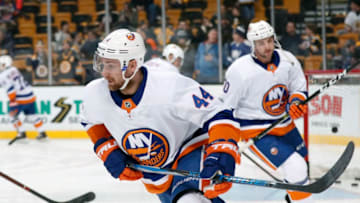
(272, 65)
(130, 102)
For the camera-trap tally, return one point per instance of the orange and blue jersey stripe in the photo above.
(20, 98)
(252, 128)
(11, 92)
(25, 98)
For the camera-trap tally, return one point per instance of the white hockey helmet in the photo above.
(176, 52)
(5, 62)
(260, 30)
(124, 46)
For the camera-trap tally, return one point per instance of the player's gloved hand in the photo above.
(297, 110)
(220, 159)
(115, 160)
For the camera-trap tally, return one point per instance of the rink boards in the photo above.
(334, 115)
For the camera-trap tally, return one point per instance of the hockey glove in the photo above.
(221, 158)
(115, 160)
(297, 110)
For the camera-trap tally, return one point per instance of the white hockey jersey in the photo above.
(166, 118)
(17, 88)
(158, 64)
(259, 95)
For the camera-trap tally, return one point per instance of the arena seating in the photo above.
(83, 14)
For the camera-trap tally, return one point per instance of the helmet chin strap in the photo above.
(276, 43)
(127, 80)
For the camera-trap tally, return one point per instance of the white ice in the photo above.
(62, 169)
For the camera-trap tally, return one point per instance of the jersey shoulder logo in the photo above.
(275, 100)
(146, 146)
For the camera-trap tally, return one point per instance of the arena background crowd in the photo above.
(78, 25)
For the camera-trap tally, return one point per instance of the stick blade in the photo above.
(334, 173)
(87, 197)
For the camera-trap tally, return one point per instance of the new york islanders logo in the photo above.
(275, 100)
(147, 146)
(130, 36)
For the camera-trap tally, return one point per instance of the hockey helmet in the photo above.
(124, 46)
(5, 62)
(260, 30)
(175, 51)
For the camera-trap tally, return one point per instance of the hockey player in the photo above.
(172, 59)
(157, 118)
(174, 54)
(22, 98)
(260, 87)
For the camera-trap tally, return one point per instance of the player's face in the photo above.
(2, 67)
(177, 62)
(264, 49)
(111, 71)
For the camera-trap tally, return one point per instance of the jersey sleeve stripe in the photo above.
(96, 132)
(224, 131)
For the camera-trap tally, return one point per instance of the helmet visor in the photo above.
(101, 63)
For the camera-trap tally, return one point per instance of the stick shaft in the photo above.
(24, 187)
(320, 185)
(87, 197)
(269, 173)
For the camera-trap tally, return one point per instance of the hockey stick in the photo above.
(286, 116)
(16, 139)
(261, 167)
(87, 197)
(316, 187)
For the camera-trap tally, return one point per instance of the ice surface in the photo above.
(62, 169)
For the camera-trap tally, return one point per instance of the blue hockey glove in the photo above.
(221, 159)
(115, 160)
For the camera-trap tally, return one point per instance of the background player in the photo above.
(174, 54)
(259, 87)
(22, 98)
(157, 118)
